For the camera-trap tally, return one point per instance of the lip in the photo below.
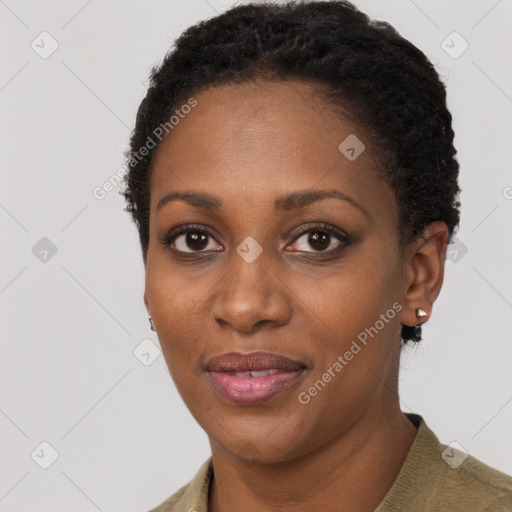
(240, 362)
(231, 377)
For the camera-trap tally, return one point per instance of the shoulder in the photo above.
(439, 477)
(193, 496)
(473, 482)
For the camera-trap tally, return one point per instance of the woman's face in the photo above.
(271, 264)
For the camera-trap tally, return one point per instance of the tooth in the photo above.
(242, 374)
(261, 373)
(273, 370)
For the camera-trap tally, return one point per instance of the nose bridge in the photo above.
(250, 293)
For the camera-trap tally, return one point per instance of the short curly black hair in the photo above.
(359, 65)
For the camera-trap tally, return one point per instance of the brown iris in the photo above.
(196, 240)
(319, 240)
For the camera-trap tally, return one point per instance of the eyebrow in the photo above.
(292, 201)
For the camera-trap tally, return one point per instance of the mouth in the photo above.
(254, 378)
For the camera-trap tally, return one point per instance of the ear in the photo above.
(146, 302)
(424, 272)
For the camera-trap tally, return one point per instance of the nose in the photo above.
(250, 296)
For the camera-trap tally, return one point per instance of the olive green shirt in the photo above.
(434, 477)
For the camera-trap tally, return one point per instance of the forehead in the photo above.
(259, 140)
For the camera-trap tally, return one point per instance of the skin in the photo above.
(247, 145)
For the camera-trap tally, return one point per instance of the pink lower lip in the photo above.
(248, 390)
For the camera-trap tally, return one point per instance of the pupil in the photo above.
(319, 240)
(196, 240)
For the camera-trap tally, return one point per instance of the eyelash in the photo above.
(343, 238)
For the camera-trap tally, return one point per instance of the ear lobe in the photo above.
(424, 272)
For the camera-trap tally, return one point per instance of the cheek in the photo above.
(353, 314)
(179, 311)
(351, 295)
(174, 290)
(355, 309)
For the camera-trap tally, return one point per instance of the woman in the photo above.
(294, 183)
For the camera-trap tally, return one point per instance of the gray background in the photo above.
(72, 320)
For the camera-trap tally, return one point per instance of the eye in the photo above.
(191, 240)
(320, 239)
(316, 239)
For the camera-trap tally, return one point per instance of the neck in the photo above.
(352, 473)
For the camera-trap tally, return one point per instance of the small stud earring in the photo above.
(420, 313)
(151, 324)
